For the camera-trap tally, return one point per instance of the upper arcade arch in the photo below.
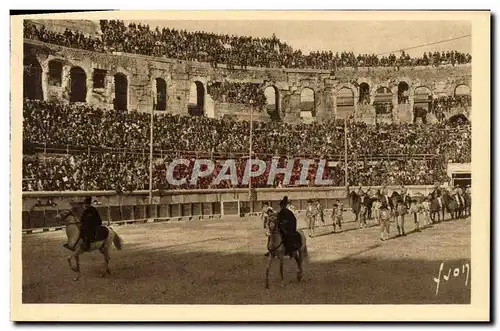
(32, 78)
(307, 102)
(196, 102)
(78, 85)
(121, 92)
(161, 94)
(272, 101)
(345, 102)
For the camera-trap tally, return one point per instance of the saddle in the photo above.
(294, 241)
(101, 234)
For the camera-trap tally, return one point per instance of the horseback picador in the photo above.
(90, 222)
(287, 223)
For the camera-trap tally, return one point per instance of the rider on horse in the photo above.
(90, 222)
(287, 224)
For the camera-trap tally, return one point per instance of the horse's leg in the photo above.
(416, 220)
(269, 263)
(313, 225)
(403, 225)
(281, 256)
(77, 270)
(105, 253)
(298, 259)
(397, 224)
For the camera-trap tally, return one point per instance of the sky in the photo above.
(359, 37)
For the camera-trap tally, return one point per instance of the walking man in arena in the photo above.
(321, 211)
(264, 215)
(266, 209)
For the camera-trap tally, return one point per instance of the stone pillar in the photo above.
(89, 84)
(327, 109)
(293, 115)
(395, 105)
(45, 79)
(411, 103)
(355, 93)
(66, 82)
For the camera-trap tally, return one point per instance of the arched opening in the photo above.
(196, 104)
(161, 94)
(55, 73)
(78, 85)
(121, 92)
(459, 119)
(403, 90)
(364, 94)
(32, 79)
(307, 103)
(272, 102)
(462, 95)
(345, 102)
(422, 98)
(383, 101)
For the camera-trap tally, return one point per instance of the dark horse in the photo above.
(361, 210)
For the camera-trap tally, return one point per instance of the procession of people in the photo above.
(381, 205)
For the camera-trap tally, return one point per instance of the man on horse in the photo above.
(287, 224)
(90, 222)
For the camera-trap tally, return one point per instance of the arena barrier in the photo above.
(40, 208)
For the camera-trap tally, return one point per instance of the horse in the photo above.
(355, 203)
(460, 200)
(467, 204)
(276, 248)
(359, 209)
(435, 208)
(450, 205)
(106, 237)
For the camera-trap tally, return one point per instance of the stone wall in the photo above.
(141, 73)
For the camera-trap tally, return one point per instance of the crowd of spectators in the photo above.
(242, 51)
(446, 103)
(127, 172)
(68, 38)
(115, 147)
(237, 93)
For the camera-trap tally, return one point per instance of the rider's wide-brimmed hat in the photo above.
(284, 202)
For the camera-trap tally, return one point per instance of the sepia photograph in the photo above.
(250, 160)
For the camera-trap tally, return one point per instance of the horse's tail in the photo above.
(303, 251)
(117, 240)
